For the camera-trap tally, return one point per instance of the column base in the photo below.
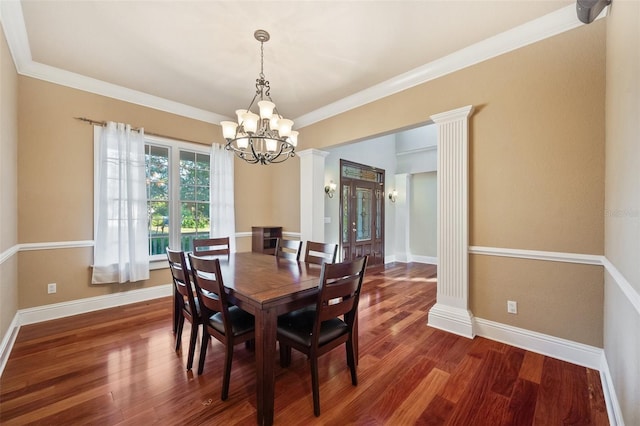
(454, 320)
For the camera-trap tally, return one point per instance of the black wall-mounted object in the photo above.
(588, 10)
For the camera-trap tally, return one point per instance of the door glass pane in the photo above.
(363, 214)
(379, 200)
(346, 226)
(357, 172)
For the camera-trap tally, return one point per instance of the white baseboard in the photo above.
(424, 259)
(555, 347)
(81, 306)
(8, 341)
(613, 406)
(454, 320)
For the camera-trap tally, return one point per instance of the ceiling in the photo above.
(202, 54)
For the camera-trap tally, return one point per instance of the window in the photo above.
(178, 176)
(178, 192)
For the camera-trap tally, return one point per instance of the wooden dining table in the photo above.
(267, 286)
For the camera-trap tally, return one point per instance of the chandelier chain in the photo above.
(262, 59)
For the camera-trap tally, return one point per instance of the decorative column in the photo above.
(451, 311)
(312, 194)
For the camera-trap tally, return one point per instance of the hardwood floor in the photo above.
(118, 367)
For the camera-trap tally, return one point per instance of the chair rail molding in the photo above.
(451, 311)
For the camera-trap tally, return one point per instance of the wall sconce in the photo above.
(330, 189)
(393, 195)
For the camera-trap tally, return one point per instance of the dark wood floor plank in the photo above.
(118, 367)
(531, 368)
(459, 381)
(549, 404)
(437, 412)
(523, 403)
(397, 390)
(473, 404)
(508, 373)
(596, 398)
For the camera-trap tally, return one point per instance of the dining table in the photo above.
(267, 286)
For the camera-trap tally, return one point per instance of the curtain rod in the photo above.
(104, 123)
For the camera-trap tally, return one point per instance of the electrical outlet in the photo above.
(512, 307)
(51, 288)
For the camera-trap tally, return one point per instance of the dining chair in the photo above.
(185, 301)
(227, 323)
(320, 253)
(288, 249)
(315, 332)
(211, 246)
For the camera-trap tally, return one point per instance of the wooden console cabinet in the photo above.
(263, 238)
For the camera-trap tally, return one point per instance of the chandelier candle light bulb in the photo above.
(265, 138)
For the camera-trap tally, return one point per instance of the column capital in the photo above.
(312, 152)
(454, 114)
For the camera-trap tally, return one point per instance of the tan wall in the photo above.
(554, 298)
(55, 199)
(622, 214)
(423, 212)
(536, 165)
(268, 196)
(8, 186)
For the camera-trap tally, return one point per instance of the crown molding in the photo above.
(549, 25)
(92, 85)
(15, 31)
(541, 28)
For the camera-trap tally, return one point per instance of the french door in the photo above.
(362, 212)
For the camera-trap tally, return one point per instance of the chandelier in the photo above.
(262, 138)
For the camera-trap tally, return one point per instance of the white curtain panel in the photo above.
(222, 208)
(121, 251)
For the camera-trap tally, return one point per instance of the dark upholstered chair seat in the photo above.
(187, 306)
(241, 321)
(298, 326)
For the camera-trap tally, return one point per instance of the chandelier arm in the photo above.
(242, 154)
(251, 104)
(286, 157)
(253, 151)
(238, 152)
(274, 157)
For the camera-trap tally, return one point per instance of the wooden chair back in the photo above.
(207, 280)
(181, 280)
(185, 302)
(338, 295)
(288, 249)
(211, 246)
(315, 332)
(320, 253)
(237, 325)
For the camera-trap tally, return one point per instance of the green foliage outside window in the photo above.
(194, 175)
